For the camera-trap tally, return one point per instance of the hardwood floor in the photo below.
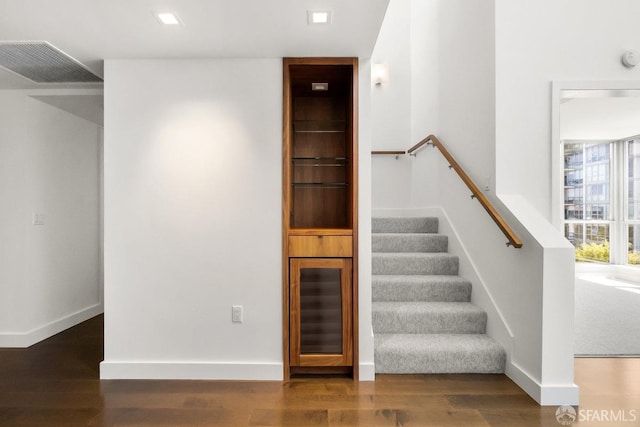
(55, 383)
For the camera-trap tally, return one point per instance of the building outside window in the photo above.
(633, 199)
(602, 200)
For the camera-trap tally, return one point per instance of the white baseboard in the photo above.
(191, 371)
(556, 395)
(367, 372)
(29, 338)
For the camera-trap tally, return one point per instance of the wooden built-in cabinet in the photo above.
(320, 216)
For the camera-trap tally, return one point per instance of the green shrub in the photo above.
(587, 252)
(634, 257)
(593, 252)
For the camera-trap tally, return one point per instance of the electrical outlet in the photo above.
(37, 218)
(236, 313)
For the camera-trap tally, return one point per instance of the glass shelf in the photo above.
(342, 159)
(320, 184)
(319, 126)
(319, 162)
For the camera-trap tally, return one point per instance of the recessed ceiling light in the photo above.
(168, 18)
(319, 16)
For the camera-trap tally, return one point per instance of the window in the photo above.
(632, 154)
(601, 184)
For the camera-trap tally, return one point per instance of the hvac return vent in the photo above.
(43, 63)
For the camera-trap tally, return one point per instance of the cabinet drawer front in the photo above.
(320, 246)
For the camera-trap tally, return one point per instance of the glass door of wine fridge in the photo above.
(320, 315)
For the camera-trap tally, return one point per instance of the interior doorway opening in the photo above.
(596, 129)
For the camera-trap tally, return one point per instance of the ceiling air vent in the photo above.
(43, 63)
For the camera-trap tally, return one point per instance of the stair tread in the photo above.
(409, 242)
(413, 255)
(420, 288)
(419, 263)
(404, 224)
(425, 234)
(418, 278)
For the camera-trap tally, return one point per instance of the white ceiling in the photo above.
(600, 116)
(94, 30)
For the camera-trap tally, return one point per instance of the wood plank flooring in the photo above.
(55, 383)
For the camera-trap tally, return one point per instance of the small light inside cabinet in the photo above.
(319, 86)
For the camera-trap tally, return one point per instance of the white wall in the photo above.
(49, 276)
(14, 215)
(540, 42)
(466, 85)
(192, 175)
(391, 100)
(365, 124)
(405, 107)
(391, 107)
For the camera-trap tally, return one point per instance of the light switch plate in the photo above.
(236, 313)
(37, 218)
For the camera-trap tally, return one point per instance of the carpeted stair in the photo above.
(423, 319)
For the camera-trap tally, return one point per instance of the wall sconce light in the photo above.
(380, 74)
(630, 58)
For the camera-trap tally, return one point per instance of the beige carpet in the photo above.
(607, 317)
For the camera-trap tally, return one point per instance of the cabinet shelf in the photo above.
(319, 126)
(337, 159)
(319, 162)
(320, 184)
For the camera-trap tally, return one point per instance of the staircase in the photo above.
(423, 319)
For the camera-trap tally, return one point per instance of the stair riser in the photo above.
(409, 243)
(443, 363)
(420, 292)
(411, 354)
(404, 225)
(412, 266)
(429, 323)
